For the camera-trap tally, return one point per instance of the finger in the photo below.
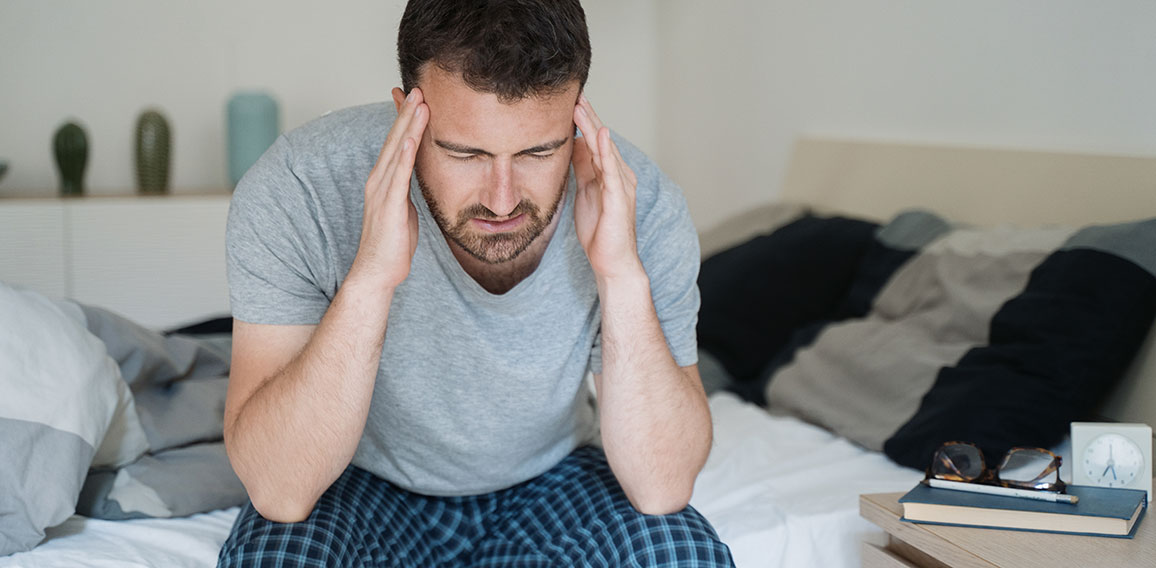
(413, 101)
(399, 181)
(627, 172)
(595, 122)
(623, 177)
(589, 108)
(589, 133)
(392, 140)
(612, 174)
(419, 122)
(381, 181)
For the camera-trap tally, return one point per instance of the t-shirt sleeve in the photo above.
(669, 249)
(668, 246)
(275, 247)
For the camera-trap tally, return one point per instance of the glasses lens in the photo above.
(958, 462)
(1029, 468)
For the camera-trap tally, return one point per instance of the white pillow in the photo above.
(64, 408)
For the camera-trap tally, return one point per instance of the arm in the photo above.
(299, 396)
(656, 425)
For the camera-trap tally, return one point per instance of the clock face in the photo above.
(1111, 460)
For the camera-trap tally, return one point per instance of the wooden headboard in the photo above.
(985, 187)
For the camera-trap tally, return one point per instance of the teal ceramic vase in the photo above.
(254, 124)
(153, 152)
(71, 148)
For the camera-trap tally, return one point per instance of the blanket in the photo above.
(919, 331)
(105, 418)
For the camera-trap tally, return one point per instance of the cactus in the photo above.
(71, 147)
(153, 145)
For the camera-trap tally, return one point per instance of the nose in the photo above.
(499, 194)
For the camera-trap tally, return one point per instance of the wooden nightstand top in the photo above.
(935, 545)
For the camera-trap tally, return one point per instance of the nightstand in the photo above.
(934, 546)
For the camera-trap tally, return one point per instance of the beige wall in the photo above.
(740, 80)
(103, 62)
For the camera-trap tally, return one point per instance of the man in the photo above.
(420, 289)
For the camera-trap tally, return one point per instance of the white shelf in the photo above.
(159, 260)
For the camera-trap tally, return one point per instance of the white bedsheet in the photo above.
(779, 491)
(190, 542)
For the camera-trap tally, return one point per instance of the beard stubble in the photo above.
(493, 248)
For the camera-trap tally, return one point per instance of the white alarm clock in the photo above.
(1109, 454)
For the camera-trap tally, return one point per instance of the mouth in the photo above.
(489, 226)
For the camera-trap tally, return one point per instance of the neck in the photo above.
(501, 278)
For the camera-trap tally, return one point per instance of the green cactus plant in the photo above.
(153, 145)
(71, 148)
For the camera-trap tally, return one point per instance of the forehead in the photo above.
(461, 115)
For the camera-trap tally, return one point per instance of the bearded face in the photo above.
(493, 172)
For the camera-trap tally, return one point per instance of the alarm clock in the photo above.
(1109, 454)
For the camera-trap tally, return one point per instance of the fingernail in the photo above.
(582, 112)
(409, 98)
(582, 98)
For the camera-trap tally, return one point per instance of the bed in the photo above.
(782, 483)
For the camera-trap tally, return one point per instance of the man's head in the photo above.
(500, 79)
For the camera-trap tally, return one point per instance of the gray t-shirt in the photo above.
(476, 392)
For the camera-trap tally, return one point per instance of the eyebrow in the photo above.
(463, 149)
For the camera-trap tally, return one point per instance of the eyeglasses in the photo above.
(1022, 468)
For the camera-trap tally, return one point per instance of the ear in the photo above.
(398, 98)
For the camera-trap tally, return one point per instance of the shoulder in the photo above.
(655, 190)
(320, 160)
(658, 200)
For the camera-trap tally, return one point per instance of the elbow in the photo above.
(272, 497)
(278, 508)
(661, 501)
(274, 501)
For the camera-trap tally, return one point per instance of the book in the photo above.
(1101, 511)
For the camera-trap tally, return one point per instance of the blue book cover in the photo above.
(1100, 511)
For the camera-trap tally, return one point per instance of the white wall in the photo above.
(103, 62)
(717, 91)
(740, 80)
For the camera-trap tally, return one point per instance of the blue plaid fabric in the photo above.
(576, 514)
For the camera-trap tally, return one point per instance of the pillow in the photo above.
(64, 408)
(999, 336)
(756, 294)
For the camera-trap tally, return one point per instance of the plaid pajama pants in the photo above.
(576, 514)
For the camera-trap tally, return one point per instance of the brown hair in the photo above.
(511, 48)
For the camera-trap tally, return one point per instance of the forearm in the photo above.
(656, 425)
(299, 429)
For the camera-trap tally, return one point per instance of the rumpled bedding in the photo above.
(105, 418)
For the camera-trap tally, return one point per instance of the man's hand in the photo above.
(604, 206)
(389, 224)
